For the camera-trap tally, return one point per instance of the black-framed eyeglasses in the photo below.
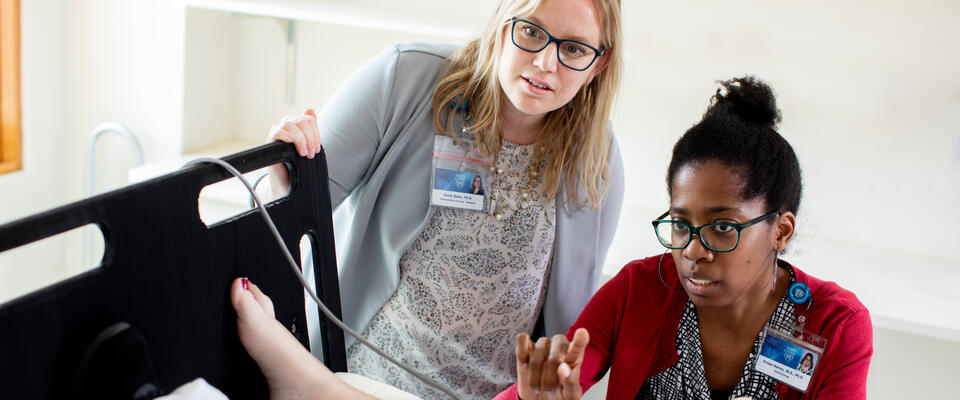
(721, 237)
(573, 54)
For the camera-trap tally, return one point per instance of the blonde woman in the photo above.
(447, 289)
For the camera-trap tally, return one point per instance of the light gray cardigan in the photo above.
(377, 132)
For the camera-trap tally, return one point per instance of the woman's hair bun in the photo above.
(748, 99)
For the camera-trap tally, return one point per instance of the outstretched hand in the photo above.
(550, 368)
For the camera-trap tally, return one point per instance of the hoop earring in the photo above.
(658, 269)
(773, 287)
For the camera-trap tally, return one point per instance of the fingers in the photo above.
(568, 372)
(311, 127)
(289, 133)
(301, 130)
(279, 180)
(569, 382)
(550, 368)
(557, 352)
(577, 348)
(524, 350)
(308, 125)
(564, 372)
(541, 350)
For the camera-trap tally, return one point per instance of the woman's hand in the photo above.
(550, 368)
(301, 130)
(304, 133)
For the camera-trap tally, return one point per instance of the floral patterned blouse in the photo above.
(468, 284)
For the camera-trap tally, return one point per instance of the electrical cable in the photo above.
(299, 275)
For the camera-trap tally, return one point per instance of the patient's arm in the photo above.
(291, 371)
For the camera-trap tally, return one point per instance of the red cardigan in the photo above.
(633, 322)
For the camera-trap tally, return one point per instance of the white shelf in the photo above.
(462, 22)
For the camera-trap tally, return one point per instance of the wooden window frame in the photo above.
(10, 117)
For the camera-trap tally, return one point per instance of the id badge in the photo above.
(459, 177)
(790, 357)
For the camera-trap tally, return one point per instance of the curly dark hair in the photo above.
(739, 130)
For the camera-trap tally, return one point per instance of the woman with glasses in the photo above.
(722, 316)
(476, 186)
(446, 289)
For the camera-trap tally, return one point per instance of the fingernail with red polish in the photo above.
(244, 282)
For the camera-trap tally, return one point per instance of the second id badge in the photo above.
(459, 177)
(791, 356)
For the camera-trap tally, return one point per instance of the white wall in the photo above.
(869, 91)
(126, 64)
(40, 184)
(230, 55)
(870, 101)
(85, 62)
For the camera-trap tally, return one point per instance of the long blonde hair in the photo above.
(575, 139)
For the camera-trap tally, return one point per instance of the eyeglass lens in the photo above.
(715, 237)
(533, 38)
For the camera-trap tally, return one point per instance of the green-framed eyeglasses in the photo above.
(721, 237)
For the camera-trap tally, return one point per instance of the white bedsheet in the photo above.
(376, 389)
(199, 389)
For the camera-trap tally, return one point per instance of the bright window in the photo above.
(10, 149)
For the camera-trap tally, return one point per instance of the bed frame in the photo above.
(168, 275)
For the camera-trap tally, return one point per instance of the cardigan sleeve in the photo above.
(601, 318)
(584, 235)
(353, 121)
(610, 210)
(844, 370)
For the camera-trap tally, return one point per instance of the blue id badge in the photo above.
(790, 357)
(460, 172)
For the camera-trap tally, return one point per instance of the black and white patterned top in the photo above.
(468, 284)
(687, 379)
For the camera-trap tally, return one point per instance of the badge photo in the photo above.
(788, 358)
(459, 189)
(459, 176)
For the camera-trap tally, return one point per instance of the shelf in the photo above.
(462, 22)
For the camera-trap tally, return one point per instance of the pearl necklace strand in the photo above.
(525, 190)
